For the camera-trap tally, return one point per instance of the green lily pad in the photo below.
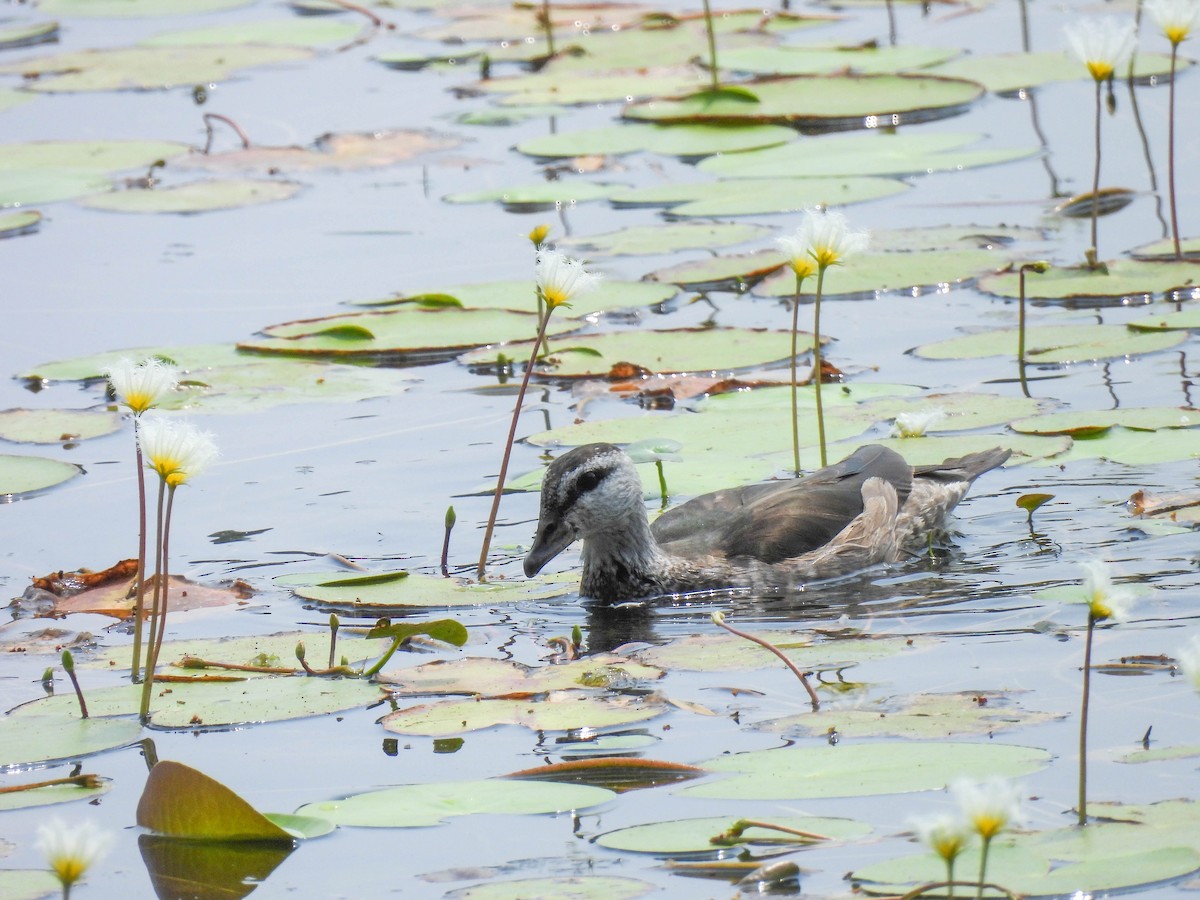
(740, 197)
(541, 195)
(15, 224)
(420, 805)
(195, 197)
(1159, 754)
(146, 68)
(27, 34)
(124, 9)
(725, 272)
(25, 739)
(293, 32)
(10, 99)
(98, 157)
(817, 101)
(304, 827)
(563, 711)
(637, 240)
(405, 590)
(609, 295)
(564, 887)
(1179, 320)
(668, 140)
(693, 836)
(344, 152)
(952, 237)
(29, 884)
(22, 187)
(872, 273)
(1125, 278)
(402, 331)
(21, 476)
(1165, 249)
(579, 88)
(864, 153)
(1135, 447)
(481, 676)
(677, 350)
(1005, 73)
(55, 426)
(52, 795)
(861, 770)
(962, 411)
(925, 716)
(1055, 344)
(806, 60)
(181, 802)
(1085, 423)
(729, 653)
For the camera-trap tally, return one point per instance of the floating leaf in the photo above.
(1005, 73)
(21, 187)
(673, 140)
(415, 591)
(1124, 278)
(449, 631)
(563, 887)
(539, 196)
(26, 739)
(756, 196)
(1087, 423)
(485, 677)
(795, 59)
(834, 102)
(195, 197)
(27, 34)
(861, 770)
(637, 240)
(1181, 320)
(181, 802)
(54, 426)
(728, 653)
(1102, 203)
(346, 152)
(1054, 344)
(28, 884)
(685, 837)
(864, 153)
(23, 476)
(550, 86)
(911, 273)
(1135, 447)
(15, 224)
(107, 9)
(116, 598)
(54, 794)
(419, 805)
(725, 272)
(616, 773)
(293, 32)
(561, 711)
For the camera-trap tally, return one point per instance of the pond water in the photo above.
(370, 480)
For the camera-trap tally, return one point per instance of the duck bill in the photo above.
(552, 539)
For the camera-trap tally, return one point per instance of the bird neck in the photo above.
(622, 561)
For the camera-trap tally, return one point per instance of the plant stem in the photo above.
(714, 81)
(662, 482)
(1171, 150)
(382, 661)
(812, 695)
(817, 361)
(1083, 719)
(159, 622)
(1096, 184)
(795, 402)
(983, 855)
(139, 605)
(548, 26)
(512, 433)
(334, 622)
(950, 862)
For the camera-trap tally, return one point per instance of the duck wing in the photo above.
(780, 520)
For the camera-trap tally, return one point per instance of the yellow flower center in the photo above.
(69, 869)
(555, 297)
(989, 825)
(1100, 69)
(803, 267)
(1176, 34)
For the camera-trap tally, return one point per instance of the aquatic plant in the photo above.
(947, 835)
(1040, 267)
(1176, 19)
(1189, 661)
(1102, 45)
(1105, 601)
(558, 280)
(989, 806)
(71, 850)
(68, 664)
(800, 261)
(139, 387)
(177, 452)
(718, 619)
(914, 424)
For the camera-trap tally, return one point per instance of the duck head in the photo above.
(590, 492)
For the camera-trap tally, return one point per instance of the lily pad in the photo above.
(29, 884)
(56, 426)
(806, 60)
(541, 195)
(694, 836)
(927, 451)
(1005, 73)
(830, 102)
(412, 590)
(195, 197)
(668, 140)
(181, 802)
(753, 196)
(1085, 423)
(483, 677)
(611, 294)
(21, 187)
(725, 272)
(1179, 320)
(866, 153)
(921, 716)
(432, 332)
(22, 476)
(861, 770)
(26, 740)
(728, 653)
(53, 794)
(146, 68)
(100, 156)
(578, 88)
(126, 9)
(1124, 278)
(1135, 447)
(873, 273)
(1055, 344)
(560, 711)
(15, 224)
(344, 152)
(27, 34)
(420, 805)
(637, 240)
(293, 32)
(564, 887)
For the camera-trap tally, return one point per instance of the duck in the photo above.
(870, 508)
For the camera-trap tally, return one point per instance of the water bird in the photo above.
(872, 507)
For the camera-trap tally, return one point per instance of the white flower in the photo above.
(1189, 661)
(1101, 44)
(1176, 18)
(829, 239)
(797, 246)
(915, 424)
(141, 386)
(560, 278)
(988, 805)
(1104, 599)
(71, 851)
(947, 835)
(177, 451)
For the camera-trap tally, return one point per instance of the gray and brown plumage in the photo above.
(871, 507)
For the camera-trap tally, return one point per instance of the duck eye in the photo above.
(588, 480)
